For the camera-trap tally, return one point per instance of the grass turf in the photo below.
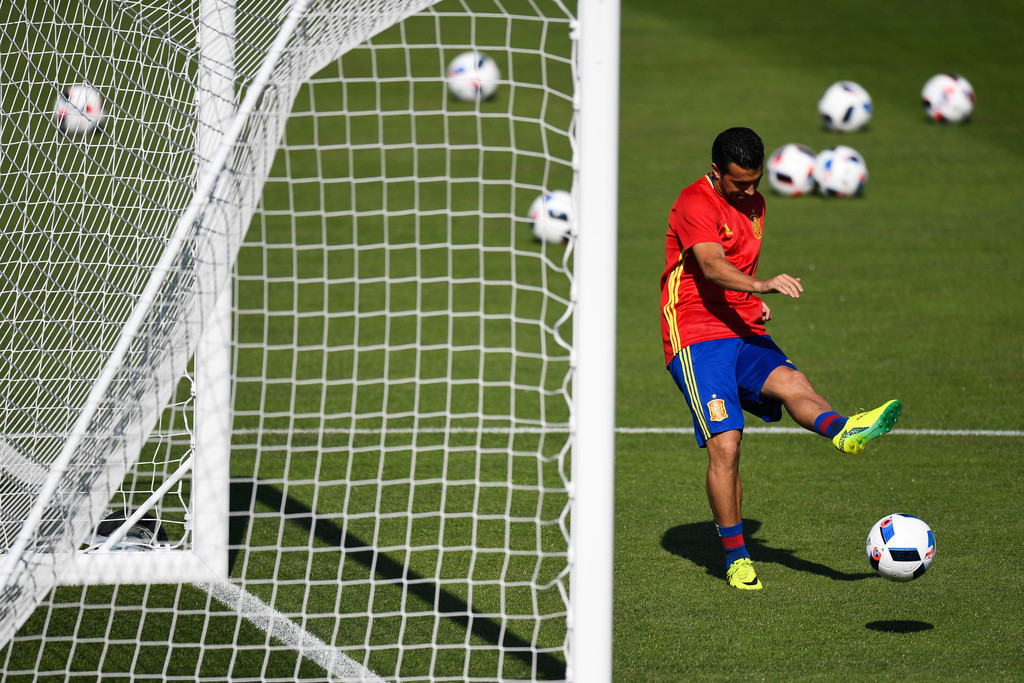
(909, 294)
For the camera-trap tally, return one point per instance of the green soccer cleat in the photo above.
(864, 427)
(741, 575)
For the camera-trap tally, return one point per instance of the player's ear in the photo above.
(715, 173)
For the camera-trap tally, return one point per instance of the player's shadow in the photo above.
(698, 543)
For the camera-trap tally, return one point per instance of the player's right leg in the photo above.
(725, 495)
(705, 374)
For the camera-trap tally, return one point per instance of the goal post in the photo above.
(291, 390)
(593, 473)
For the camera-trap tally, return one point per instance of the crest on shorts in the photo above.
(755, 225)
(716, 409)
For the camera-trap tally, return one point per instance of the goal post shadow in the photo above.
(449, 606)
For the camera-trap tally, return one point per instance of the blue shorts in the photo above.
(721, 378)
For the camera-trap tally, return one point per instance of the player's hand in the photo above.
(766, 313)
(784, 284)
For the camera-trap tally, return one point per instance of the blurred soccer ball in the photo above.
(473, 76)
(840, 172)
(845, 106)
(80, 110)
(900, 547)
(551, 217)
(948, 98)
(791, 169)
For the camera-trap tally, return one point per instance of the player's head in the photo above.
(740, 146)
(737, 162)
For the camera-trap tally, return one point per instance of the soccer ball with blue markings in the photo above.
(551, 217)
(900, 547)
(473, 76)
(840, 172)
(845, 106)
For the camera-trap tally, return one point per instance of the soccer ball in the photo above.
(551, 217)
(948, 98)
(900, 547)
(80, 110)
(145, 534)
(473, 76)
(845, 106)
(840, 172)
(791, 169)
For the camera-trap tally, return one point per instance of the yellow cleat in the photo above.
(741, 575)
(864, 427)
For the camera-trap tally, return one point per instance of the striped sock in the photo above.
(732, 542)
(829, 424)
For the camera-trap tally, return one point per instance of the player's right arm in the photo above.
(710, 256)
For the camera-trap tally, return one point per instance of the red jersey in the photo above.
(692, 308)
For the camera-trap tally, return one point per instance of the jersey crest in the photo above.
(755, 225)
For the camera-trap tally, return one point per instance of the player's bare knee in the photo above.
(724, 449)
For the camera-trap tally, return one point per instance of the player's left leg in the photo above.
(769, 381)
(802, 402)
(811, 411)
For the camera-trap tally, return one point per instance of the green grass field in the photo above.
(909, 293)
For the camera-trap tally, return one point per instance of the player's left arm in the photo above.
(718, 269)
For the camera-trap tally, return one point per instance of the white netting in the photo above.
(399, 495)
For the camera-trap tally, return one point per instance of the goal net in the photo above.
(290, 388)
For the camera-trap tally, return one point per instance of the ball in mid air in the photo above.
(80, 110)
(551, 217)
(473, 76)
(900, 547)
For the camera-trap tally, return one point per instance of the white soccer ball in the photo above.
(80, 110)
(840, 172)
(948, 98)
(551, 217)
(900, 547)
(473, 76)
(791, 169)
(845, 106)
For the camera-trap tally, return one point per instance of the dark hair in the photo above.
(740, 146)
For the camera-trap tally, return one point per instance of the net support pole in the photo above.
(213, 359)
(593, 455)
(158, 274)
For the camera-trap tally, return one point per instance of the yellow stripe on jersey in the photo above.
(686, 361)
(669, 310)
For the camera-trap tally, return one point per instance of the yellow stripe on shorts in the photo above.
(691, 383)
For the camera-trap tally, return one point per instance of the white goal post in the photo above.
(289, 389)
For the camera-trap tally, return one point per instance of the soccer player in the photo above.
(716, 347)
